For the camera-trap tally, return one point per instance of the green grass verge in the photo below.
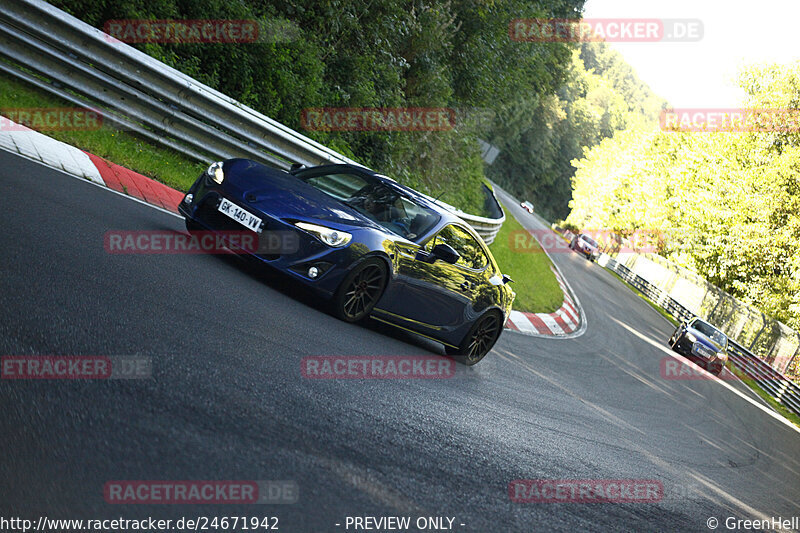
(121, 147)
(536, 286)
(163, 164)
(786, 413)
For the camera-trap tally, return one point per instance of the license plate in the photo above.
(702, 351)
(245, 218)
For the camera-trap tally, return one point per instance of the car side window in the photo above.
(470, 250)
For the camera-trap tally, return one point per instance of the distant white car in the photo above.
(528, 206)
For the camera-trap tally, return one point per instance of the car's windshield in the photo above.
(711, 332)
(588, 240)
(378, 202)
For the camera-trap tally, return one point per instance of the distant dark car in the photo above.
(703, 343)
(371, 246)
(527, 206)
(586, 246)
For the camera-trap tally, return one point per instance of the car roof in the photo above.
(447, 216)
(712, 326)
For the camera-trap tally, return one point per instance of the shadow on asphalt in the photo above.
(284, 284)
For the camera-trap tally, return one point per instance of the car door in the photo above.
(436, 297)
(471, 269)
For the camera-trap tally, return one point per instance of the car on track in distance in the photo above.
(370, 246)
(701, 342)
(527, 206)
(586, 246)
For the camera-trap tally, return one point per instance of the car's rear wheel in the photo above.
(360, 291)
(479, 340)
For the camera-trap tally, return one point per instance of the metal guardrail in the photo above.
(487, 228)
(68, 58)
(778, 386)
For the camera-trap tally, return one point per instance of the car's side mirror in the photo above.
(442, 251)
(425, 257)
(446, 253)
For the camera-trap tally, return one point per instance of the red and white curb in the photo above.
(563, 321)
(56, 154)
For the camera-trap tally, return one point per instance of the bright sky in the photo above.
(703, 73)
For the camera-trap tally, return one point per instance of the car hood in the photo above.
(285, 196)
(703, 339)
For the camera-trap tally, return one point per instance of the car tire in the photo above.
(360, 291)
(485, 331)
(673, 342)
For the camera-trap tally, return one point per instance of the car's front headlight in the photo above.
(215, 172)
(331, 237)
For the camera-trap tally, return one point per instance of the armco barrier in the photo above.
(780, 387)
(64, 56)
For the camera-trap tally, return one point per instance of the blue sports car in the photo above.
(700, 341)
(374, 247)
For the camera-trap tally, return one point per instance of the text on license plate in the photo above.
(241, 216)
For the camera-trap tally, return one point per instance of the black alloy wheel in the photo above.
(360, 291)
(480, 339)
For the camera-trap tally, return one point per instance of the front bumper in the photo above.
(700, 353)
(282, 245)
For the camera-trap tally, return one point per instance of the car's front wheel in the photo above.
(360, 291)
(479, 340)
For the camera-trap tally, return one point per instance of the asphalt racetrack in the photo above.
(227, 400)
